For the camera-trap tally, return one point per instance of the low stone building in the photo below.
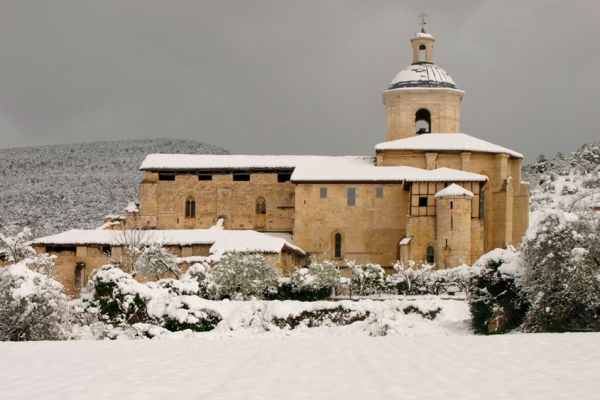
(429, 194)
(81, 252)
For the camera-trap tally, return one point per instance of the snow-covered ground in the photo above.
(518, 366)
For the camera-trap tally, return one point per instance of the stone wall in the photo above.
(162, 203)
(402, 105)
(370, 230)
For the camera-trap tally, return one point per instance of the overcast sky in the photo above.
(292, 77)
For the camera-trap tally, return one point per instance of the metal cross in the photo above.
(422, 16)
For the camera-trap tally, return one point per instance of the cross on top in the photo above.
(422, 16)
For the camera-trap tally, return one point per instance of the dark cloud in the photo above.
(297, 77)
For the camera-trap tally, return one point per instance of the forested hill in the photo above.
(55, 188)
(567, 182)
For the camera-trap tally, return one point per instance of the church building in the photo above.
(429, 193)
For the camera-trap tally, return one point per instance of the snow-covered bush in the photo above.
(116, 297)
(184, 312)
(410, 281)
(561, 279)
(155, 260)
(32, 305)
(244, 276)
(315, 282)
(495, 302)
(366, 279)
(15, 246)
(202, 275)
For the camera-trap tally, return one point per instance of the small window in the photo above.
(482, 204)
(284, 177)
(323, 192)
(205, 177)
(379, 192)
(190, 207)
(166, 176)
(430, 255)
(423, 201)
(451, 205)
(338, 245)
(106, 250)
(79, 275)
(351, 196)
(241, 177)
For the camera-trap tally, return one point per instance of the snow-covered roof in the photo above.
(422, 34)
(221, 240)
(405, 241)
(132, 207)
(193, 162)
(422, 75)
(454, 191)
(353, 171)
(444, 175)
(446, 142)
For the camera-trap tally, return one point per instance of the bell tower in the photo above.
(422, 98)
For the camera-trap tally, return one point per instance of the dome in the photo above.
(422, 75)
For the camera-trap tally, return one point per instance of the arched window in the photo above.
(338, 245)
(190, 207)
(260, 213)
(422, 121)
(430, 255)
(261, 206)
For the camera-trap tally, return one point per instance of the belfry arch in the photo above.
(422, 121)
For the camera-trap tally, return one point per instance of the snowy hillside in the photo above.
(571, 182)
(54, 188)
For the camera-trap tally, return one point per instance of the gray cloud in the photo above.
(299, 77)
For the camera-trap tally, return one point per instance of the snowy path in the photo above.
(467, 367)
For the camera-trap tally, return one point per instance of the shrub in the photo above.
(411, 280)
(366, 279)
(116, 296)
(562, 263)
(315, 282)
(495, 302)
(32, 306)
(155, 260)
(182, 313)
(244, 276)
(202, 275)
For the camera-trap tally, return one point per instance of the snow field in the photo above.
(536, 366)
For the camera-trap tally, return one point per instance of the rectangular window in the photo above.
(166, 176)
(284, 177)
(323, 193)
(205, 177)
(482, 204)
(351, 196)
(423, 201)
(241, 177)
(379, 192)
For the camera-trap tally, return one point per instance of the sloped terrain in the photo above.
(569, 182)
(55, 188)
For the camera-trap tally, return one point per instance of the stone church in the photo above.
(429, 194)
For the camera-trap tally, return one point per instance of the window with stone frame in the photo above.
(430, 255)
(337, 251)
(351, 196)
(190, 207)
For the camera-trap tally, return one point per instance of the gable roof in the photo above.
(454, 191)
(220, 240)
(446, 142)
(368, 172)
(198, 162)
